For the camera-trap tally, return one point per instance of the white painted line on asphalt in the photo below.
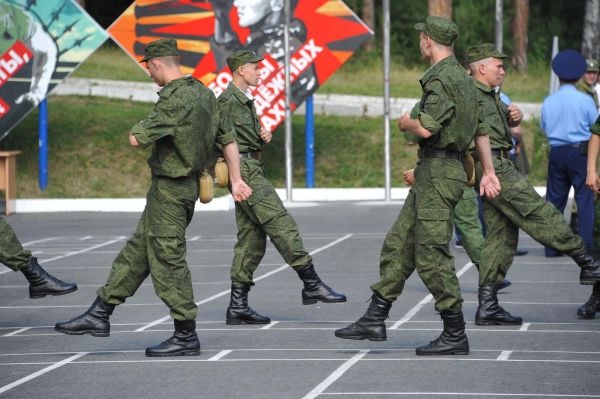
(195, 238)
(459, 394)
(534, 303)
(220, 355)
(20, 330)
(336, 374)
(504, 355)
(226, 292)
(26, 244)
(525, 327)
(412, 312)
(110, 267)
(270, 325)
(85, 238)
(41, 372)
(85, 250)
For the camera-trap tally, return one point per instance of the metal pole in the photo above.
(386, 99)
(288, 104)
(43, 146)
(554, 83)
(310, 143)
(499, 25)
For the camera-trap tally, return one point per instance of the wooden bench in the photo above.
(8, 179)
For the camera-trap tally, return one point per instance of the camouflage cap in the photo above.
(160, 48)
(242, 57)
(440, 30)
(592, 66)
(482, 51)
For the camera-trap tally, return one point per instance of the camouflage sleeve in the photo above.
(161, 122)
(595, 128)
(484, 122)
(437, 107)
(226, 133)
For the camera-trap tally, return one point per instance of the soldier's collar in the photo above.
(239, 94)
(435, 68)
(172, 85)
(483, 87)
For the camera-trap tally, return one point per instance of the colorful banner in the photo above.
(41, 42)
(323, 35)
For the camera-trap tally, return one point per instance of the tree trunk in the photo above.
(519, 34)
(591, 30)
(368, 16)
(441, 8)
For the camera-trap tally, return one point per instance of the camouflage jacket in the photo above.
(446, 107)
(184, 127)
(493, 117)
(240, 109)
(585, 88)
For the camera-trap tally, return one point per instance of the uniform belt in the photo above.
(436, 153)
(582, 145)
(495, 153)
(251, 155)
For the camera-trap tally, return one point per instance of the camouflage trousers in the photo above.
(466, 218)
(158, 248)
(419, 239)
(596, 227)
(518, 206)
(12, 253)
(262, 215)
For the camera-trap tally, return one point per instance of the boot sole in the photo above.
(314, 301)
(41, 295)
(92, 333)
(497, 323)
(360, 337)
(237, 322)
(194, 352)
(450, 353)
(589, 282)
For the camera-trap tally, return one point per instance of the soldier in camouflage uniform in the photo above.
(419, 239)
(589, 309)
(263, 214)
(17, 258)
(518, 205)
(183, 128)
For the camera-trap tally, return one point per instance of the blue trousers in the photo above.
(567, 168)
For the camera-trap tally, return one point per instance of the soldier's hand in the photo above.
(265, 135)
(240, 191)
(592, 181)
(409, 176)
(133, 141)
(403, 121)
(489, 186)
(514, 114)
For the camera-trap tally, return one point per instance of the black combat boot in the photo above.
(452, 341)
(41, 283)
(589, 309)
(500, 285)
(372, 325)
(590, 266)
(316, 290)
(490, 313)
(94, 321)
(184, 341)
(239, 312)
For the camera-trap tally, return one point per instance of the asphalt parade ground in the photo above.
(552, 355)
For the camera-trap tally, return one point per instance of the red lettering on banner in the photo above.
(4, 108)
(13, 60)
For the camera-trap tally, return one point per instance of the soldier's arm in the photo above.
(592, 180)
(489, 184)
(161, 122)
(437, 107)
(514, 116)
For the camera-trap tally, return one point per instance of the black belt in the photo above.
(251, 155)
(435, 153)
(582, 145)
(495, 153)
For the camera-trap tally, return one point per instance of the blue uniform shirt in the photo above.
(567, 116)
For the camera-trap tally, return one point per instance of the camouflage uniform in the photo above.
(518, 205)
(263, 214)
(466, 219)
(183, 127)
(12, 253)
(420, 236)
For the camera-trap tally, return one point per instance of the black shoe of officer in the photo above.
(589, 309)
(239, 312)
(316, 290)
(490, 313)
(590, 266)
(94, 321)
(452, 341)
(371, 325)
(184, 341)
(41, 283)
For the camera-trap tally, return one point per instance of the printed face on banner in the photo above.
(323, 35)
(41, 42)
